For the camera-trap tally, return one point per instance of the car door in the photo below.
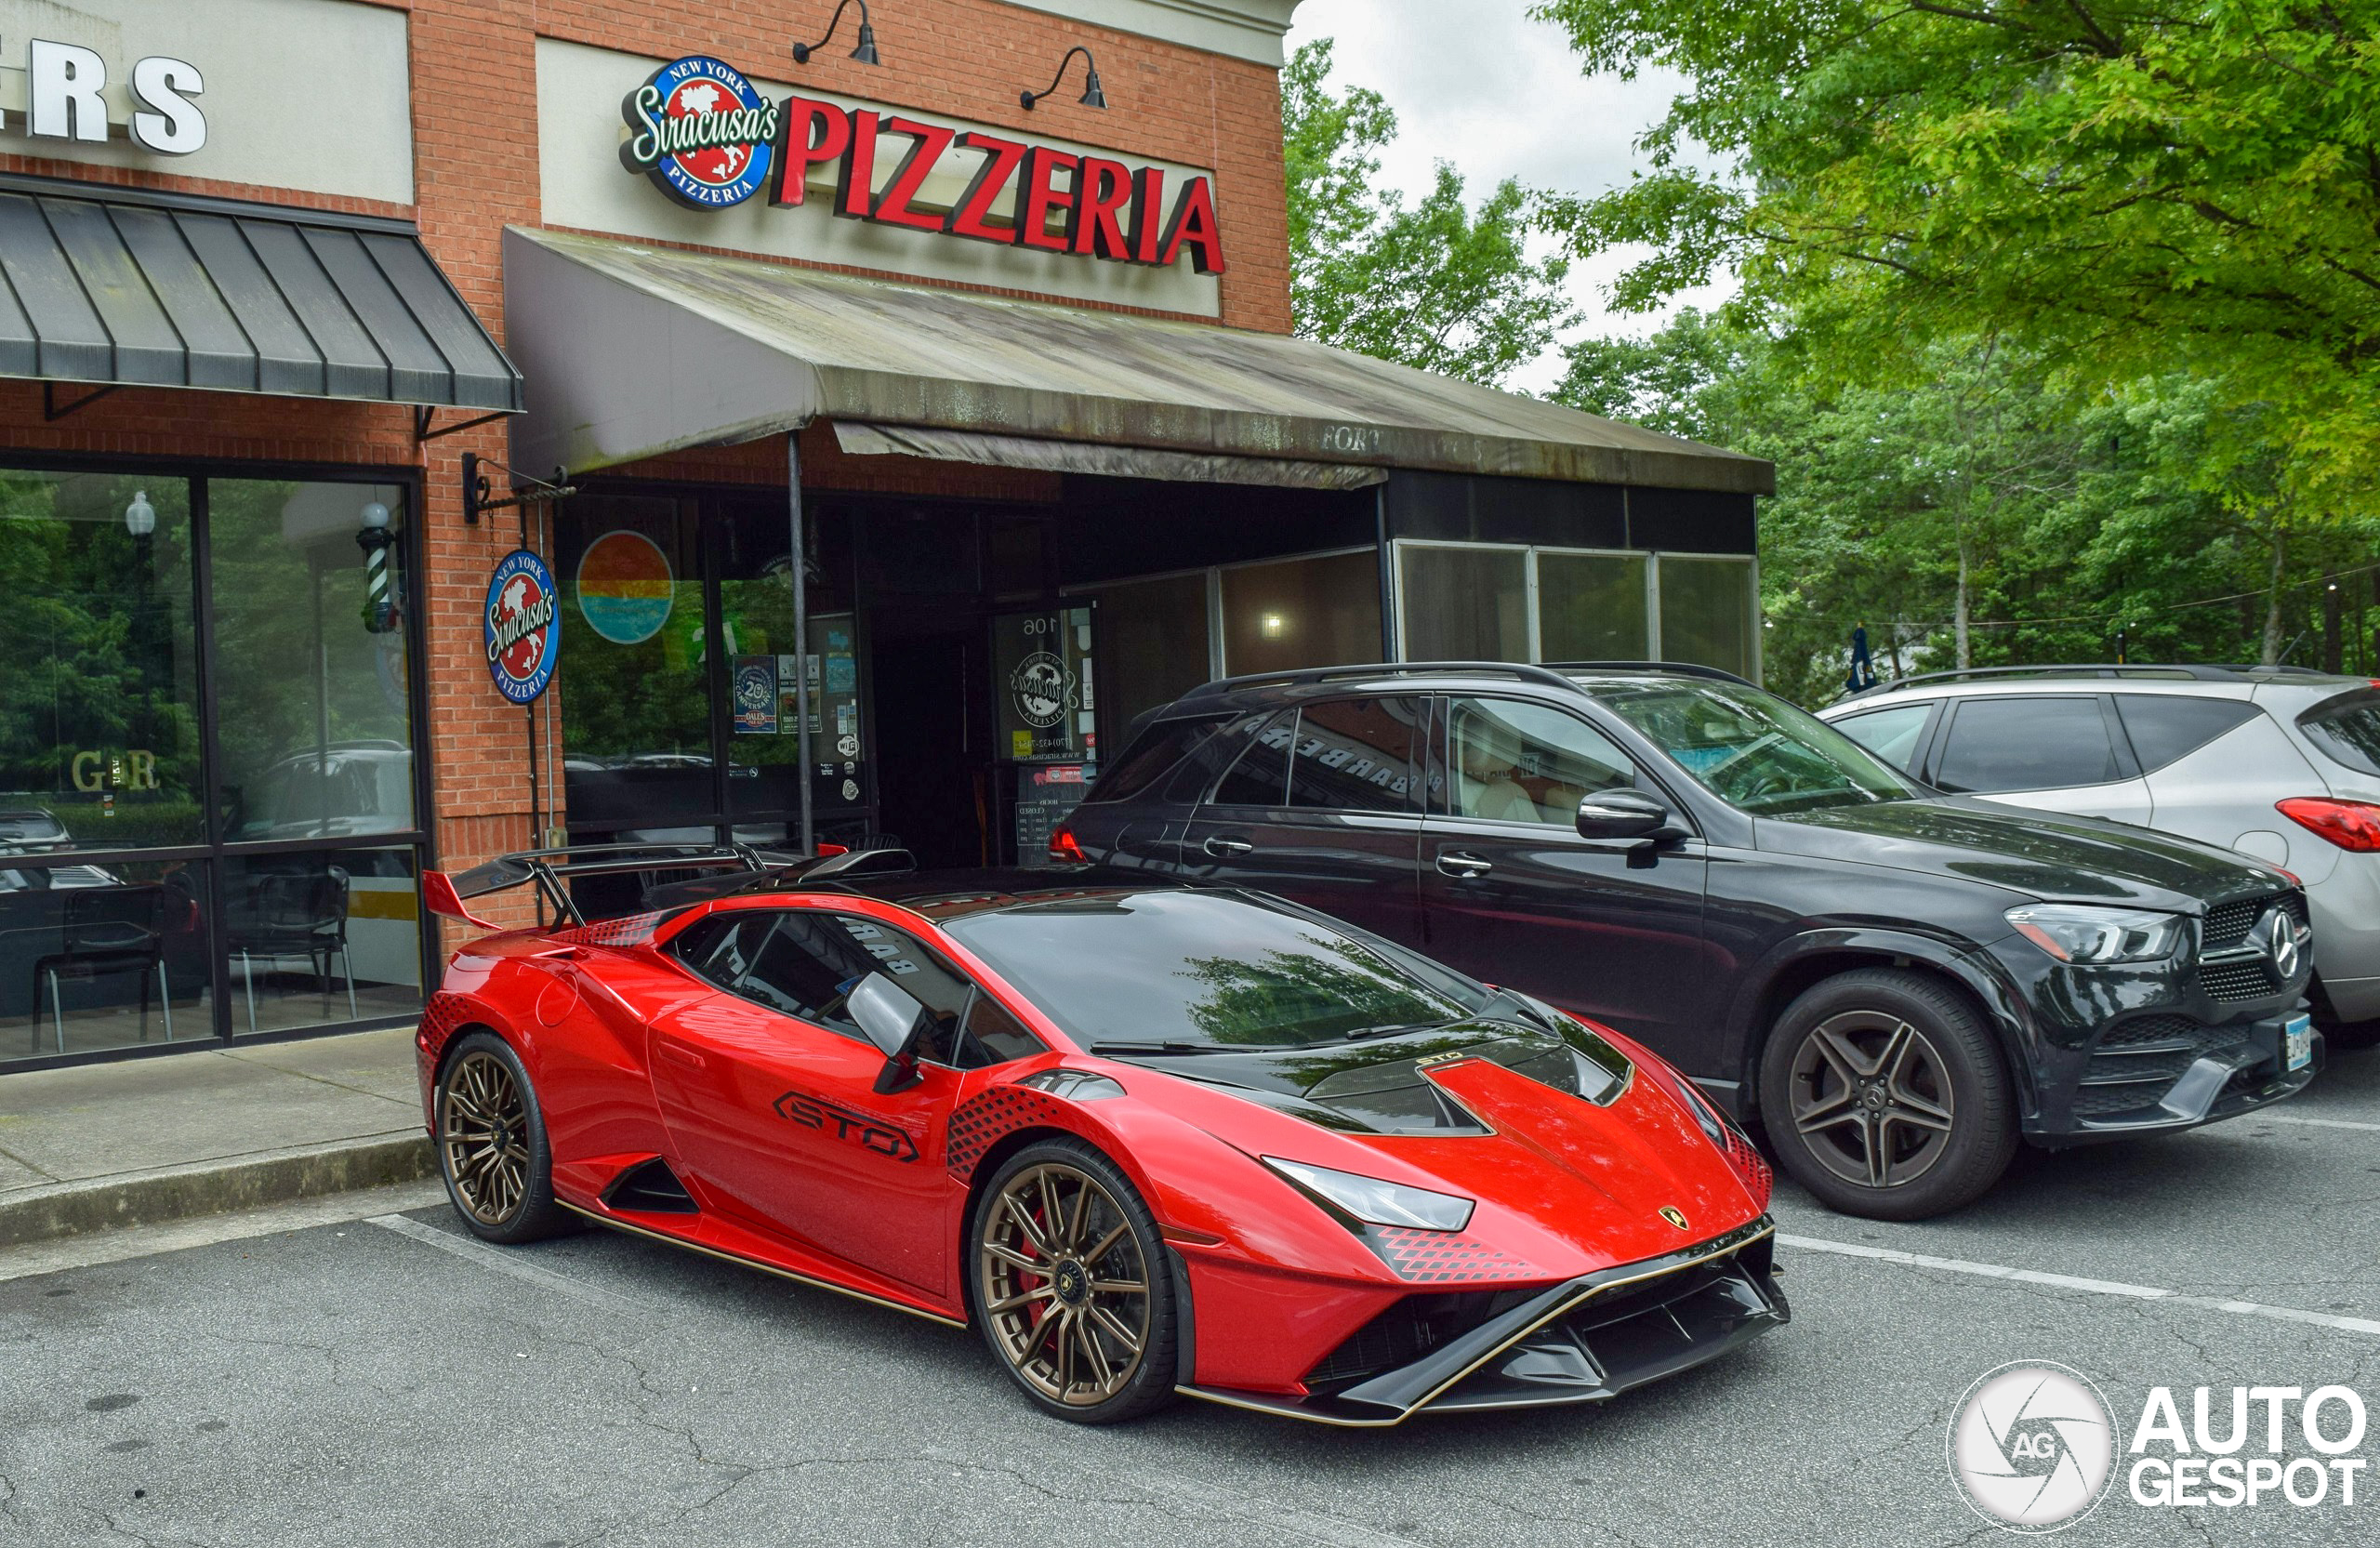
(2060, 752)
(768, 1089)
(1511, 894)
(1324, 807)
(2215, 767)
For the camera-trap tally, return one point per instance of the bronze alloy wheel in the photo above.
(483, 1131)
(1062, 1285)
(1871, 1098)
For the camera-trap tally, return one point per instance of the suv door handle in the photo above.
(1458, 863)
(1220, 847)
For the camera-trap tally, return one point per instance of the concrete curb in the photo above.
(212, 1187)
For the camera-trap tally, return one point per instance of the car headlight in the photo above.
(2072, 933)
(1375, 1203)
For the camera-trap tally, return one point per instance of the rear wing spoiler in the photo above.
(450, 894)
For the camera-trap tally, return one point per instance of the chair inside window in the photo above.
(108, 932)
(285, 915)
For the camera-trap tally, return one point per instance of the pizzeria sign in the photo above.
(707, 138)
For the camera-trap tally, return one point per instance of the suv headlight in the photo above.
(1378, 1203)
(2072, 933)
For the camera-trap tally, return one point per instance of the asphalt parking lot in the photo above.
(366, 1382)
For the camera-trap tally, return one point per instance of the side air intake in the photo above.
(648, 1187)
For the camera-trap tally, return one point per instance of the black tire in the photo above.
(1884, 1094)
(491, 1142)
(1023, 1316)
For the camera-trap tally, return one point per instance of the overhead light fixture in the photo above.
(1272, 626)
(1092, 96)
(865, 53)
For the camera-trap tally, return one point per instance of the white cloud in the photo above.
(1478, 83)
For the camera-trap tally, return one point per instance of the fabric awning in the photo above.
(135, 288)
(1081, 456)
(640, 350)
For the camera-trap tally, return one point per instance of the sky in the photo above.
(1478, 83)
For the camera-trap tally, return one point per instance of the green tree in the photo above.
(1438, 286)
(2131, 188)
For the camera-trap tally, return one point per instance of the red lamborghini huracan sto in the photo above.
(1149, 1139)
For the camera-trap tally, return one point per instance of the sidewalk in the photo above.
(148, 1140)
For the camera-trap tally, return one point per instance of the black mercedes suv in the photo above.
(1895, 984)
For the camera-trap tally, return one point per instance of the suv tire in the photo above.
(1883, 1094)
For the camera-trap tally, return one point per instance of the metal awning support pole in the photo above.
(800, 632)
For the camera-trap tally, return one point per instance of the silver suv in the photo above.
(2280, 763)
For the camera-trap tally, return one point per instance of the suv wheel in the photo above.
(1883, 1095)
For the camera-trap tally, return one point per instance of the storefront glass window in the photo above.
(1320, 611)
(755, 624)
(635, 698)
(102, 956)
(1591, 607)
(98, 698)
(1152, 645)
(1706, 612)
(320, 936)
(313, 697)
(1465, 604)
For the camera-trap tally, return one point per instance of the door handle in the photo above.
(681, 1053)
(1220, 847)
(1456, 863)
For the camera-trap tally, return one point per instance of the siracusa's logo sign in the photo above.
(706, 137)
(703, 133)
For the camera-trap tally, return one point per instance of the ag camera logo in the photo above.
(2031, 1447)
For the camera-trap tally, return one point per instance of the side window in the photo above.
(1153, 755)
(1356, 756)
(1262, 775)
(1891, 734)
(804, 963)
(1530, 763)
(1196, 773)
(2044, 743)
(2166, 727)
(994, 1037)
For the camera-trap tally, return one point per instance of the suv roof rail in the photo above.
(1683, 668)
(1521, 669)
(2196, 671)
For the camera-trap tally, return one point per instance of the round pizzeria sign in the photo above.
(522, 640)
(703, 133)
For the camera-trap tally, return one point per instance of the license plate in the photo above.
(2297, 1044)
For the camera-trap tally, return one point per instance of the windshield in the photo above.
(1752, 750)
(1198, 970)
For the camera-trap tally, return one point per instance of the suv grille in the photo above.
(2228, 923)
(2227, 929)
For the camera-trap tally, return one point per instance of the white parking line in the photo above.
(2315, 1122)
(2068, 1281)
(500, 1261)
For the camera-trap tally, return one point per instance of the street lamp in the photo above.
(1092, 96)
(374, 539)
(865, 53)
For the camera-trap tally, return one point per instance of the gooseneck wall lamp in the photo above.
(1092, 96)
(865, 53)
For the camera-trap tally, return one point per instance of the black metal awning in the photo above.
(133, 288)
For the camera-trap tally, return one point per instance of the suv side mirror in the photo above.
(1623, 815)
(893, 1020)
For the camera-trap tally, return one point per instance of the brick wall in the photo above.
(474, 71)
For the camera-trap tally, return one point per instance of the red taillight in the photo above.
(2350, 824)
(827, 850)
(1064, 845)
